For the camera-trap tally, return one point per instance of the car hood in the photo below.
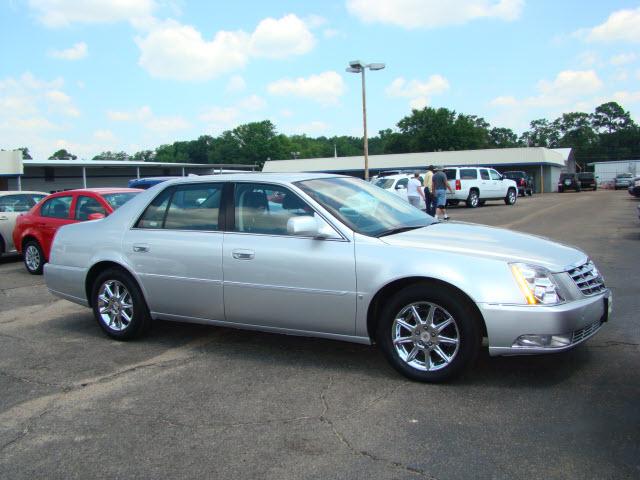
(490, 242)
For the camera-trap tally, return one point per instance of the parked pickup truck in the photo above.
(476, 185)
(525, 185)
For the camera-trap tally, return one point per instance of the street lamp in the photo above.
(356, 66)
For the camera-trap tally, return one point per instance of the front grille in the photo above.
(585, 332)
(588, 279)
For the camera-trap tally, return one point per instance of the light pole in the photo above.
(356, 66)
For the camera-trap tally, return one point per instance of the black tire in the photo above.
(140, 319)
(473, 200)
(481, 203)
(530, 193)
(595, 187)
(453, 203)
(466, 330)
(33, 257)
(511, 197)
(560, 189)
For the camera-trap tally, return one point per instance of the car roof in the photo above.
(397, 176)
(254, 177)
(17, 192)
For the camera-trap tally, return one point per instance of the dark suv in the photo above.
(588, 180)
(569, 181)
(523, 181)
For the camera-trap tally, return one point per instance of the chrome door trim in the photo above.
(261, 286)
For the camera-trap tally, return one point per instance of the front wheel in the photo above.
(118, 305)
(429, 332)
(511, 197)
(33, 257)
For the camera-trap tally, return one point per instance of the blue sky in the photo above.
(127, 75)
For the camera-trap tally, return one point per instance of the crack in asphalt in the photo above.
(30, 380)
(324, 418)
(25, 431)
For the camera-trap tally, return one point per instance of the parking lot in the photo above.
(191, 401)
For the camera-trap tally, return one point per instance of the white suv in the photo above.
(398, 185)
(476, 185)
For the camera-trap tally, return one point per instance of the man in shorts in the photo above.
(440, 185)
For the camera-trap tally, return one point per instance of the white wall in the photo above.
(607, 171)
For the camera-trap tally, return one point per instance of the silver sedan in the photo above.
(327, 256)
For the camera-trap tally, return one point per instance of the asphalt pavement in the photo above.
(192, 401)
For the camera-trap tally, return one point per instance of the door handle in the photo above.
(140, 248)
(243, 254)
(4, 218)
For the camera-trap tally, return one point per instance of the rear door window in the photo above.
(468, 174)
(58, 207)
(484, 174)
(85, 206)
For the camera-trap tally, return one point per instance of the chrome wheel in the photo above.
(115, 305)
(32, 257)
(425, 336)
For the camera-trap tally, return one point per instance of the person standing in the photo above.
(414, 190)
(428, 177)
(440, 185)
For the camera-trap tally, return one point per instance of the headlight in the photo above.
(536, 284)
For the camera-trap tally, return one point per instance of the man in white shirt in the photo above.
(414, 190)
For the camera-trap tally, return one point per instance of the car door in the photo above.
(54, 213)
(498, 187)
(273, 279)
(486, 187)
(175, 248)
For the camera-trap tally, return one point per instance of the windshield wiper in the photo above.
(393, 231)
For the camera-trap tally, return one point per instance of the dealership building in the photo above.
(543, 164)
(54, 175)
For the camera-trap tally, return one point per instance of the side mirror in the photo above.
(95, 216)
(306, 226)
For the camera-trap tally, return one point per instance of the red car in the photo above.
(34, 231)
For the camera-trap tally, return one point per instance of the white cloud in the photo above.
(325, 88)
(418, 92)
(286, 113)
(570, 84)
(252, 103)
(330, 33)
(621, 26)
(179, 52)
(60, 102)
(281, 38)
(62, 13)
(588, 59)
(504, 101)
(221, 117)
(76, 52)
(145, 117)
(625, 97)
(104, 136)
(311, 128)
(623, 59)
(176, 51)
(433, 13)
(236, 84)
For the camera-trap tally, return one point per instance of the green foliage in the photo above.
(62, 155)
(120, 156)
(25, 153)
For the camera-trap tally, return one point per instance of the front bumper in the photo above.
(579, 320)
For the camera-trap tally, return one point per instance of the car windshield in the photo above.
(116, 200)
(384, 183)
(585, 175)
(363, 207)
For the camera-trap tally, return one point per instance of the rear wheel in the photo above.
(429, 332)
(33, 257)
(473, 200)
(118, 305)
(511, 197)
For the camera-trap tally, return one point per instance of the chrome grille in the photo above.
(585, 332)
(588, 279)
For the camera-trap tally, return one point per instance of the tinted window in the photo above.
(85, 206)
(384, 183)
(403, 182)
(494, 175)
(116, 200)
(57, 207)
(484, 174)
(586, 176)
(19, 202)
(261, 208)
(468, 174)
(194, 207)
(184, 207)
(450, 173)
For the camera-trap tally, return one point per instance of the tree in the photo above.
(611, 117)
(542, 134)
(503, 138)
(25, 153)
(62, 155)
(119, 156)
(144, 156)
